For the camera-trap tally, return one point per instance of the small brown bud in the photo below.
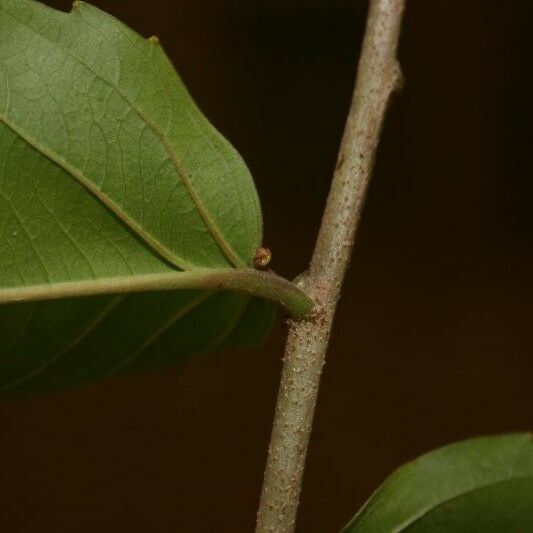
(262, 257)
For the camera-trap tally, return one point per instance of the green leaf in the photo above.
(483, 484)
(113, 183)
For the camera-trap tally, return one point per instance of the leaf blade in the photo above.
(174, 327)
(110, 101)
(110, 174)
(441, 489)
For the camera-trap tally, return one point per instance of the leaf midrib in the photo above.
(265, 285)
(161, 249)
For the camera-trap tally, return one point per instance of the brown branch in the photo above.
(377, 78)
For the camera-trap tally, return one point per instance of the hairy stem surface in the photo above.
(378, 77)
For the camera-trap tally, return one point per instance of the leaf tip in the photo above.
(154, 39)
(76, 4)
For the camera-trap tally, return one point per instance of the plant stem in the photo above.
(378, 77)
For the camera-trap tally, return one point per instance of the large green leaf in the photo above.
(112, 182)
(483, 484)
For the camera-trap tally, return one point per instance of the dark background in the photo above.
(434, 339)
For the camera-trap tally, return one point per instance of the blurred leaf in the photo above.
(483, 484)
(111, 176)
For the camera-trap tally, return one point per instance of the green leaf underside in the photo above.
(75, 344)
(108, 170)
(483, 484)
